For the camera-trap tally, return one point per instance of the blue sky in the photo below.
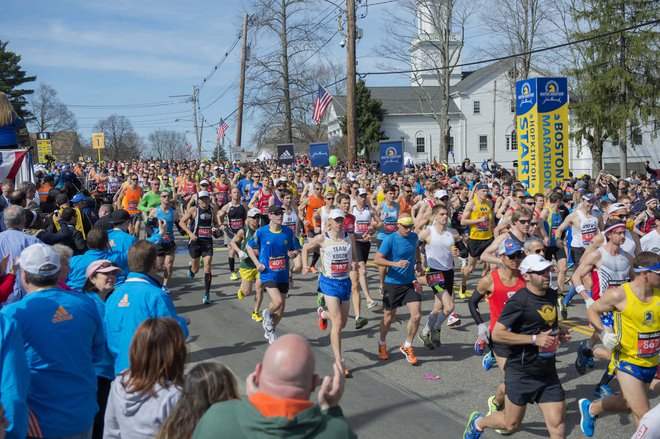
(107, 57)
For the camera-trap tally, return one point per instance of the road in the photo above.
(383, 399)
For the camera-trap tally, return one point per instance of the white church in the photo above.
(481, 114)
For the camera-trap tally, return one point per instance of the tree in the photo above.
(50, 114)
(618, 76)
(219, 153)
(369, 118)
(121, 140)
(12, 76)
(167, 144)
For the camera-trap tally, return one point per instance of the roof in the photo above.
(480, 75)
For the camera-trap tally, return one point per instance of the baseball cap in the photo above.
(440, 193)
(480, 186)
(78, 198)
(615, 206)
(588, 196)
(40, 259)
(119, 216)
(253, 213)
(337, 213)
(330, 175)
(509, 247)
(275, 209)
(100, 266)
(204, 182)
(362, 191)
(203, 194)
(534, 262)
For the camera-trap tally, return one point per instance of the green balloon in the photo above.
(333, 160)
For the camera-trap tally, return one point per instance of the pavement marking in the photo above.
(575, 326)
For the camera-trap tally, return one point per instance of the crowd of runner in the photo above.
(88, 259)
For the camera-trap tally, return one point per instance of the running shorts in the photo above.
(362, 248)
(200, 248)
(558, 252)
(440, 280)
(644, 374)
(576, 254)
(339, 288)
(282, 286)
(396, 295)
(523, 389)
(166, 248)
(248, 274)
(136, 218)
(477, 246)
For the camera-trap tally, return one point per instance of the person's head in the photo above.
(344, 202)
(407, 190)
(7, 112)
(511, 253)
(481, 191)
(588, 200)
(101, 277)
(68, 215)
(204, 199)
(651, 204)
(120, 219)
(157, 355)
(133, 180)
(521, 219)
(535, 270)
(17, 198)
(14, 217)
(405, 223)
(165, 197)
(528, 202)
(143, 257)
(97, 239)
(534, 246)
(40, 267)
(275, 214)
(106, 209)
(336, 223)
(29, 188)
(615, 231)
(441, 214)
(65, 253)
(253, 218)
(287, 197)
(554, 198)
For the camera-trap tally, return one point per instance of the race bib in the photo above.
(167, 237)
(292, 226)
(484, 226)
(204, 232)
(550, 351)
(434, 279)
(221, 197)
(361, 227)
(587, 237)
(236, 224)
(339, 267)
(277, 263)
(648, 344)
(390, 227)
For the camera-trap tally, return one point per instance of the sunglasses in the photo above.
(408, 192)
(329, 198)
(540, 273)
(525, 222)
(530, 204)
(539, 251)
(407, 227)
(134, 179)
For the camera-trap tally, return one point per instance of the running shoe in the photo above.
(267, 322)
(590, 362)
(347, 374)
(587, 422)
(206, 300)
(581, 360)
(435, 337)
(461, 292)
(361, 322)
(233, 276)
(323, 323)
(488, 361)
(426, 340)
(191, 275)
(320, 300)
(602, 391)
(240, 294)
(382, 352)
(165, 289)
(492, 407)
(563, 311)
(453, 320)
(372, 304)
(270, 336)
(313, 269)
(471, 431)
(409, 353)
(380, 290)
(256, 317)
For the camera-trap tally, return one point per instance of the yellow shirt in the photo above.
(481, 231)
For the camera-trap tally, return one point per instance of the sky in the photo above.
(141, 58)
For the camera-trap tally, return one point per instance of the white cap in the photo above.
(336, 213)
(362, 191)
(534, 262)
(40, 259)
(330, 175)
(253, 212)
(350, 175)
(202, 194)
(440, 193)
(615, 206)
(206, 182)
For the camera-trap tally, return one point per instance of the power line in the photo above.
(217, 66)
(127, 106)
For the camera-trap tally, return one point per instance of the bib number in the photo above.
(648, 344)
(236, 224)
(132, 205)
(361, 227)
(587, 237)
(390, 227)
(277, 263)
(339, 267)
(434, 279)
(550, 351)
(292, 226)
(167, 237)
(204, 232)
(484, 226)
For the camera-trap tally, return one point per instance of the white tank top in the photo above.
(362, 220)
(438, 252)
(583, 235)
(336, 257)
(324, 216)
(613, 270)
(291, 220)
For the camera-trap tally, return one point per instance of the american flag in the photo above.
(323, 99)
(221, 129)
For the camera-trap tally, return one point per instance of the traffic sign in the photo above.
(98, 140)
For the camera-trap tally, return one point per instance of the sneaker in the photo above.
(191, 275)
(270, 336)
(382, 352)
(435, 337)
(409, 353)
(492, 407)
(165, 289)
(312, 270)
(380, 290)
(256, 316)
(347, 374)
(426, 340)
(471, 431)
(562, 309)
(602, 391)
(488, 361)
(372, 304)
(590, 362)
(267, 321)
(240, 294)
(587, 422)
(320, 300)
(206, 300)
(360, 322)
(581, 360)
(323, 323)
(453, 320)
(233, 276)
(461, 292)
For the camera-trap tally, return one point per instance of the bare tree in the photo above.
(167, 144)
(121, 140)
(50, 114)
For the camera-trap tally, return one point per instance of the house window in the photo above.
(420, 144)
(637, 136)
(513, 105)
(483, 143)
(512, 141)
(450, 147)
(477, 107)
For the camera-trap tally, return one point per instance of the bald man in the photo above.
(277, 392)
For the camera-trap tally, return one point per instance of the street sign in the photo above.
(98, 140)
(44, 146)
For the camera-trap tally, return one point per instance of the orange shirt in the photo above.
(404, 206)
(131, 200)
(313, 205)
(270, 406)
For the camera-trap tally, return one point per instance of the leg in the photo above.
(355, 293)
(561, 274)
(259, 295)
(388, 317)
(382, 271)
(276, 307)
(194, 268)
(169, 267)
(509, 419)
(338, 314)
(635, 392)
(467, 271)
(362, 267)
(554, 414)
(231, 254)
(415, 309)
(500, 393)
(207, 275)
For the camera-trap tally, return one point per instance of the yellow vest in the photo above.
(481, 231)
(79, 223)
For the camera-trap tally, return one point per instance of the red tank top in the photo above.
(262, 202)
(501, 294)
(189, 187)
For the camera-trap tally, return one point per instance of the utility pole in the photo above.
(241, 90)
(494, 113)
(351, 107)
(198, 138)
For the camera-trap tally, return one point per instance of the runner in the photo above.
(167, 247)
(276, 245)
(235, 212)
(262, 199)
(388, 213)
(204, 217)
(521, 220)
(247, 268)
(365, 224)
(634, 340)
(478, 216)
(307, 209)
(290, 219)
(651, 241)
(551, 219)
(128, 198)
(400, 254)
(645, 221)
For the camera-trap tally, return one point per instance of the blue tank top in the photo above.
(551, 225)
(389, 217)
(168, 217)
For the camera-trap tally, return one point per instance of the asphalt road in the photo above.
(383, 399)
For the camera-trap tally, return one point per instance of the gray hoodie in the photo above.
(137, 415)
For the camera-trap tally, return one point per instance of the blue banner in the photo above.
(319, 154)
(391, 156)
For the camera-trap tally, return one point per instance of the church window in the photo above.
(483, 143)
(420, 144)
(477, 107)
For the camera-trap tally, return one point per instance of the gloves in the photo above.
(609, 339)
(242, 255)
(483, 332)
(588, 302)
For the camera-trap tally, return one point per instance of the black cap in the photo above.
(61, 199)
(119, 216)
(275, 209)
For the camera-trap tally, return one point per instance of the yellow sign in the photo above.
(44, 148)
(98, 140)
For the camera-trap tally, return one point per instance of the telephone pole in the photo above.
(241, 90)
(351, 108)
(198, 138)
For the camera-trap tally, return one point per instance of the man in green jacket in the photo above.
(277, 403)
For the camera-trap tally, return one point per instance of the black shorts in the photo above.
(576, 254)
(310, 233)
(136, 218)
(362, 248)
(477, 246)
(523, 389)
(500, 350)
(447, 285)
(200, 248)
(396, 295)
(166, 248)
(282, 286)
(558, 252)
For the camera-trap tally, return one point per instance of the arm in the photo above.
(466, 214)
(613, 299)
(252, 202)
(489, 254)
(236, 240)
(502, 335)
(143, 203)
(587, 265)
(183, 223)
(484, 287)
(567, 222)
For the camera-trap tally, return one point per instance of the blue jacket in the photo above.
(15, 378)
(135, 301)
(76, 278)
(106, 365)
(120, 241)
(63, 337)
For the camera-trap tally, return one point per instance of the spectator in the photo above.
(76, 241)
(143, 395)
(105, 217)
(97, 241)
(14, 381)
(9, 124)
(278, 399)
(138, 299)
(30, 190)
(205, 384)
(7, 278)
(63, 336)
(120, 239)
(65, 255)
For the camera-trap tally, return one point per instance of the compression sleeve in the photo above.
(473, 304)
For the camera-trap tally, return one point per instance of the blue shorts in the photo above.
(340, 288)
(644, 374)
